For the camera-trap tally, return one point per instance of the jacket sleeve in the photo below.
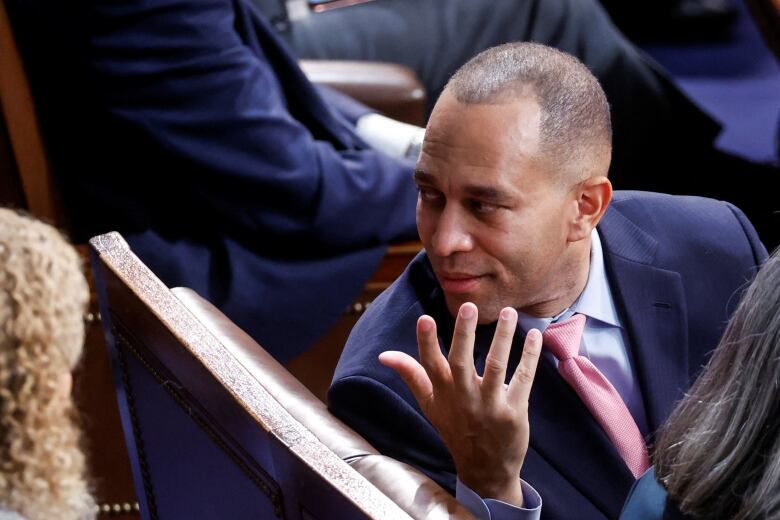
(349, 108)
(208, 84)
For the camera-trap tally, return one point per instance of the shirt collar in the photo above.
(595, 301)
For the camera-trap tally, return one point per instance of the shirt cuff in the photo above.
(491, 509)
(392, 137)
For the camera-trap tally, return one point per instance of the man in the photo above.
(515, 210)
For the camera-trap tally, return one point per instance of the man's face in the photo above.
(493, 220)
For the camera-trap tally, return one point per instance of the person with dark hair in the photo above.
(629, 289)
(718, 455)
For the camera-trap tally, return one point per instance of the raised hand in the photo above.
(482, 420)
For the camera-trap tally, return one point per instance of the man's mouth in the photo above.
(455, 282)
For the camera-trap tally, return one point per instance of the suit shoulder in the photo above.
(664, 206)
(694, 235)
(389, 323)
(682, 220)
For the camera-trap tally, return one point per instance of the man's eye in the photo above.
(429, 195)
(483, 207)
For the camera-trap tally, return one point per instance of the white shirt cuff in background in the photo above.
(392, 137)
(490, 509)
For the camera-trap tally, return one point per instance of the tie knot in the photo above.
(563, 338)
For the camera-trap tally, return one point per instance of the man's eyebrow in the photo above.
(489, 194)
(426, 178)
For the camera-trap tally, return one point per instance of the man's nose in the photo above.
(451, 234)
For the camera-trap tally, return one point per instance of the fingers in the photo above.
(461, 356)
(498, 356)
(430, 353)
(523, 378)
(412, 373)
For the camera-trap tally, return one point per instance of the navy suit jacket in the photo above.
(675, 266)
(187, 126)
(648, 500)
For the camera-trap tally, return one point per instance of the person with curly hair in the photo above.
(43, 296)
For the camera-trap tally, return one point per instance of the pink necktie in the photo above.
(596, 392)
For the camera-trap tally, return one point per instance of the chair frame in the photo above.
(143, 318)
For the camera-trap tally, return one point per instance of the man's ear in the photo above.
(592, 198)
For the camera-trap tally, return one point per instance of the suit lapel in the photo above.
(651, 303)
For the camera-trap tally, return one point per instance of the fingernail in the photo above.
(506, 313)
(467, 311)
(425, 324)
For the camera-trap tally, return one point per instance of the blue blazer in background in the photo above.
(676, 266)
(188, 127)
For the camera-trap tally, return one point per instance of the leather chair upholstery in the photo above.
(392, 89)
(259, 421)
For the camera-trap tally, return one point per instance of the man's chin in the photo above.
(486, 313)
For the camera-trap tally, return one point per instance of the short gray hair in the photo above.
(575, 128)
(719, 454)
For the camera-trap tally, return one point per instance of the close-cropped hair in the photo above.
(719, 454)
(575, 128)
(43, 297)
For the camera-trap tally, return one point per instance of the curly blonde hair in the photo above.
(43, 296)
